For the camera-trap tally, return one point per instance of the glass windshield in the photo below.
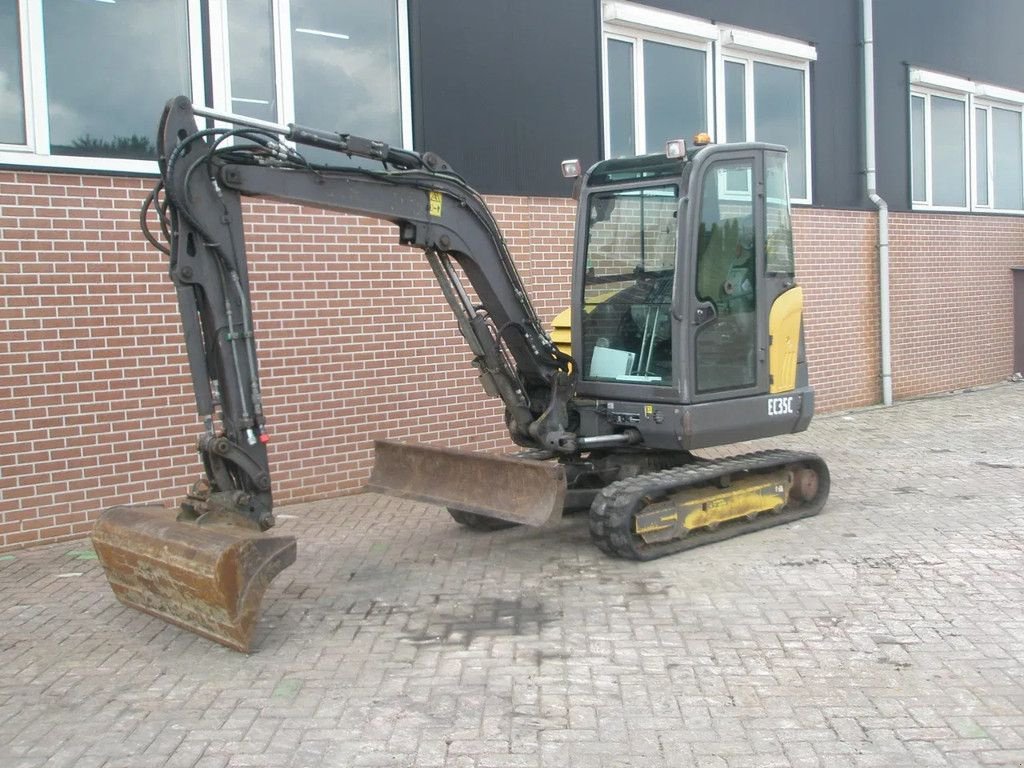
(627, 288)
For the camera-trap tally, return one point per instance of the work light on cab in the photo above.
(675, 148)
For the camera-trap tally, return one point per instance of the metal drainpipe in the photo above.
(885, 326)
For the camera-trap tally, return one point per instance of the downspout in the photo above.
(884, 319)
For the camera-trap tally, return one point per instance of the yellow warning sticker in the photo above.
(435, 203)
(648, 410)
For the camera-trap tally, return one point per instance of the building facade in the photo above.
(355, 341)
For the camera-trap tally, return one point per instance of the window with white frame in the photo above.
(966, 144)
(82, 82)
(657, 78)
(658, 85)
(340, 65)
(766, 97)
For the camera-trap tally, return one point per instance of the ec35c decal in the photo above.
(780, 406)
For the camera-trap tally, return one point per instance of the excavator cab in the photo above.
(690, 317)
(686, 332)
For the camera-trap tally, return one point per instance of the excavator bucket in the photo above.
(209, 579)
(516, 490)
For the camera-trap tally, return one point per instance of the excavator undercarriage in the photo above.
(687, 334)
(658, 514)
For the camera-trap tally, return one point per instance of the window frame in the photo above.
(989, 106)
(637, 83)
(636, 37)
(220, 69)
(928, 93)
(632, 23)
(35, 153)
(748, 57)
(976, 96)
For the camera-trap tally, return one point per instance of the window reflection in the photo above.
(1006, 138)
(735, 102)
(917, 142)
(778, 236)
(251, 50)
(779, 111)
(674, 96)
(981, 154)
(345, 61)
(12, 102)
(621, 129)
(110, 67)
(949, 143)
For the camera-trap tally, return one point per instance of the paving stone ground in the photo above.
(888, 631)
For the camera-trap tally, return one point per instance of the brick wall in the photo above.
(836, 263)
(952, 300)
(96, 406)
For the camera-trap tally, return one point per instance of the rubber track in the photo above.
(613, 512)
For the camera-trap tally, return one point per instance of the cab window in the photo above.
(726, 279)
(627, 286)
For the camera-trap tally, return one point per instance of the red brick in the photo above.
(356, 341)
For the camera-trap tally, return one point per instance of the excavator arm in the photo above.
(206, 566)
(203, 178)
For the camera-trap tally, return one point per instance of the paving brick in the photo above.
(885, 632)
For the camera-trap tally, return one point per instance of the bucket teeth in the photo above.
(207, 579)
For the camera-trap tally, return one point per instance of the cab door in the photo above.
(728, 339)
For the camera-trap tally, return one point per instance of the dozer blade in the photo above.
(207, 579)
(517, 490)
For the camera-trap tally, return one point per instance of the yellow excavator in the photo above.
(684, 331)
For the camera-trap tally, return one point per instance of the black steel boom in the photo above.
(204, 175)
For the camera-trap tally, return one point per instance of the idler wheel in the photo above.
(805, 484)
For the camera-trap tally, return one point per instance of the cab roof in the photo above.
(641, 168)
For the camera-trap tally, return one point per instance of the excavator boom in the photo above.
(206, 565)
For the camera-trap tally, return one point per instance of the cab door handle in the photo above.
(705, 313)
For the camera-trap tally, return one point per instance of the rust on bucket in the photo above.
(517, 490)
(207, 579)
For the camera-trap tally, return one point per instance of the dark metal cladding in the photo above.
(207, 579)
(977, 41)
(514, 490)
